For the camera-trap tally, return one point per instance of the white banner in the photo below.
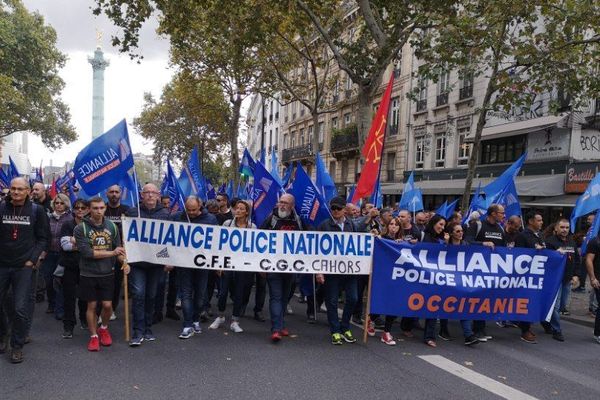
(182, 244)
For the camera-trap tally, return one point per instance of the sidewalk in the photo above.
(579, 308)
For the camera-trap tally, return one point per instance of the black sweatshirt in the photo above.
(24, 233)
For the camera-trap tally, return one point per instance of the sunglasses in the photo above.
(58, 202)
(337, 208)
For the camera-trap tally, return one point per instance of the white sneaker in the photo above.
(597, 339)
(197, 327)
(217, 323)
(235, 327)
(99, 320)
(113, 316)
(289, 310)
(323, 308)
(186, 333)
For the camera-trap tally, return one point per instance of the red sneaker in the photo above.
(105, 338)
(371, 328)
(284, 332)
(275, 337)
(94, 344)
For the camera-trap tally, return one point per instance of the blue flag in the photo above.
(264, 195)
(163, 186)
(242, 194)
(263, 157)
(478, 204)
(129, 193)
(509, 199)
(310, 204)
(222, 188)
(351, 194)
(4, 180)
(287, 176)
(274, 171)
(247, 164)
(211, 193)
(414, 201)
(174, 191)
(591, 233)
(494, 188)
(229, 189)
(441, 210)
(105, 160)
(377, 196)
(324, 182)
(186, 183)
(408, 188)
(64, 180)
(13, 172)
(588, 202)
(194, 169)
(38, 175)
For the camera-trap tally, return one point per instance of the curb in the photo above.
(578, 320)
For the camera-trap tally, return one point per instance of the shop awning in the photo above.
(567, 200)
(534, 185)
(521, 127)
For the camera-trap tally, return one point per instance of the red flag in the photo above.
(52, 191)
(373, 148)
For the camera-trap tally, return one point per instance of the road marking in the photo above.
(477, 379)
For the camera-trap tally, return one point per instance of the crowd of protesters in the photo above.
(74, 253)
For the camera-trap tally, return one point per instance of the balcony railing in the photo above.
(344, 140)
(465, 92)
(298, 153)
(422, 105)
(442, 99)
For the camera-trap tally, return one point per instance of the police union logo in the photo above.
(164, 253)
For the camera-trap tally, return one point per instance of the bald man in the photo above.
(40, 196)
(144, 276)
(23, 236)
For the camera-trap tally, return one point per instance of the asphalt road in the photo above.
(223, 365)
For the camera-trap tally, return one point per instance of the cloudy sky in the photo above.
(125, 80)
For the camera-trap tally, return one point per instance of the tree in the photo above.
(207, 37)
(521, 49)
(190, 112)
(365, 47)
(29, 82)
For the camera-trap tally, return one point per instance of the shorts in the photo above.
(96, 288)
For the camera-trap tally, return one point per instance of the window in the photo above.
(310, 134)
(348, 82)
(440, 149)
(502, 150)
(332, 169)
(285, 141)
(276, 138)
(466, 85)
(301, 137)
(294, 110)
(336, 92)
(444, 82)
(334, 123)
(391, 166)
(395, 117)
(293, 138)
(419, 152)
(422, 96)
(321, 129)
(347, 119)
(464, 149)
(344, 170)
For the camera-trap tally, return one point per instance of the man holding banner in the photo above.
(145, 275)
(340, 330)
(283, 218)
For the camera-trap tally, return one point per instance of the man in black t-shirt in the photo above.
(411, 233)
(114, 211)
(489, 232)
(224, 209)
(592, 263)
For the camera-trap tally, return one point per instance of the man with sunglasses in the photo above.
(333, 283)
(24, 235)
(144, 275)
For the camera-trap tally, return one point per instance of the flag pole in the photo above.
(368, 308)
(137, 192)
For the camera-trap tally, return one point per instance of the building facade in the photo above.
(16, 146)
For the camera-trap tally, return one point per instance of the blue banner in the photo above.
(174, 192)
(4, 180)
(464, 282)
(264, 195)
(105, 160)
(324, 182)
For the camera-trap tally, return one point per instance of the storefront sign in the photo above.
(587, 146)
(578, 176)
(548, 145)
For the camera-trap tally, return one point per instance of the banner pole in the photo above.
(368, 308)
(126, 305)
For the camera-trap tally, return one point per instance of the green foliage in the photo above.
(29, 83)
(190, 112)
(350, 129)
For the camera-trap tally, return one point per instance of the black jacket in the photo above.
(528, 239)
(24, 233)
(274, 222)
(329, 225)
(487, 233)
(570, 250)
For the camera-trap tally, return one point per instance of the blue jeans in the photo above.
(466, 327)
(144, 281)
(20, 281)
(429, 332)
(280, 286)
(192, 285)
(333, 285)
(565, 296)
